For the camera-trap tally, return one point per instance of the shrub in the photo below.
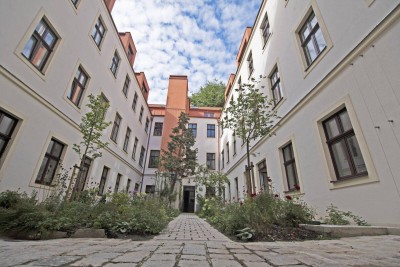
(338, 217)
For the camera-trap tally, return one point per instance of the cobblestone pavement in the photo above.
(189, 241)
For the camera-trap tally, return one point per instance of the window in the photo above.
(134, 148)
(126, 141)
(210, 130)
(211, 161)
(117, 182)
(234, 143)
(263, 175)
(128, 185)
(78, 86)
(150, 189)
(144, 89)
(146, 127)
(209, 114)
(250, 63)
(222, 159)
(265, 29)
(137, 187)
(227, 152)
(276, 86)
(311, 38)
(193, 128)
(105, 103)
(240, 85)
(7, 127)
(114, 64)
(345, 152)
(103, 180)
(237, 188)
(158, 129)
(141, 114)
(134, 103)
(154, 158)
(126, 86)
(98, 32)
(290, 167)
(115, 129)
(50, 163)
(141, 156)
(130, 51)
(40, 46)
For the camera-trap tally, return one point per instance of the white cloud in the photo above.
(184, 37)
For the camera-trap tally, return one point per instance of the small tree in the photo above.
(210, 95)
(211, 180)
(180, 160)
(250, 116)
(91, 127)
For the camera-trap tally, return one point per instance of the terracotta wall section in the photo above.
(243, 45)
(229, 85)
(110, 4)
(202, 112)
(144, 86)
(129, 46)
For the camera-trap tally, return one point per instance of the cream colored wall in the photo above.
(366, 82)
(21, 85)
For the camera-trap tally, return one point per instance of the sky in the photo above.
(197, 38)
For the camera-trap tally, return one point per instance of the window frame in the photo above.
(77, 84)
(116, 126)
(141, 114)
(103, 180)
(157, 131)
(210, 130)
(222, 159)
(154, 160)
(276, 84)
(50, 157)
(210, 160)
(126, 140)
(250, 63)
(141, 158)
(265, 27)
(227, 152)
(117, 183)
(115, 62)
(194, 132)
(7, 138)
(146, 127)
(343, 136)
(134, 101)
(125, 88)
(290, 162)
(135, 148)
(102, 35)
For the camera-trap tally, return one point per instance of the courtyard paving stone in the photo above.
(190, 241)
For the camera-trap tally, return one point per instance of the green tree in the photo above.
(180, 159)
(212, 180)
(210, 95)
(250, 116)
(91, 127)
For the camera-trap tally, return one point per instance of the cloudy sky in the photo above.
(198, 38)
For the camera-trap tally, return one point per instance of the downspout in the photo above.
(147, 150)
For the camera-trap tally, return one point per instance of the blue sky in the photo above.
(196, 38)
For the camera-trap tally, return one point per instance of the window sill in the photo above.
(364, 174)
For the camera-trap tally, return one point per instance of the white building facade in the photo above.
(331, 68)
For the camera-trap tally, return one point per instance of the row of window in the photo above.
(158, 126)
(117, 186)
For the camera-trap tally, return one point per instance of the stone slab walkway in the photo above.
(189, 241)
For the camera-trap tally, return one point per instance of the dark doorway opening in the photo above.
(188, 198)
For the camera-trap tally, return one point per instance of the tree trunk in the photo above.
(248, 168)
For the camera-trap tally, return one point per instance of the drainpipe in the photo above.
(147, 150)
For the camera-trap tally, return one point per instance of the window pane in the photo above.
(57, 150)
(356, 155)
(42, 169)
(40, 28)
(312, 54)
(344, 118)
(29, 47)
(287, 153)
(332, 128)
(49, 148)
(320, 40)
(40, 56)
(6, 125)
(291, 175)
(50, 39)
(313, 20)
(2, 144)
(339, 155)
(51, 168)
(304, 33)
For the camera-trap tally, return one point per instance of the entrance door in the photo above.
(188, 198)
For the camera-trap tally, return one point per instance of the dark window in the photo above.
(211, 161)
(130, 51)
(114, 64)
(141, 114)
(154, 158)
(78, 86)
(227, 152)
(158, 129)
(141, 158)
(146, 127)
(234, 143)
(98, 32)
(128, 185)
(40, 46)
(276, 86)
(144, 89)
(312, 40)
(290, 167)
(75, 2)
(343, 146)
(83, 174)
(50, 163)
(115, 129)
(150, 189)
(263, 175)
(126, 86)
(134, 103)
(210, 130)
(126, 141)
(222, 159)
(209, 114)
(7, 127)
(193, 128)
(265, 29)
(237, 189)
(250, 63)
(117, 182)
(134, 148)
(137, 187)
(103, 180)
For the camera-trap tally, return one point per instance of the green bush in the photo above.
(338, 217)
